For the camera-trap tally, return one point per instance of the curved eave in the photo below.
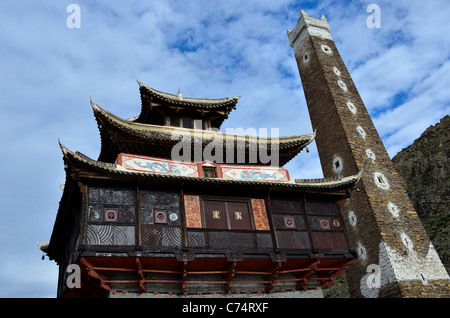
(227, 102)
(97, 169)
(288, 147)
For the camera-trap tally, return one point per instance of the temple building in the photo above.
(137, 221)
(174, 207)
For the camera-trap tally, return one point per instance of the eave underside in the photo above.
(82, 166)
(212, 274)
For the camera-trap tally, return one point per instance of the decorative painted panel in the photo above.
(264, 240)
(326, 224)
(111, 214)
(110, 235)
(320, 223)
(123, 235)
(260, 215)
(171, 236)
(293, 239)
(147, 164)
(160, 218)
(255, 173)
(330, 240)
(99, 235)
(193, 212)
(161, 236)
(230, 240)
(289, 221)
(111, 205)
(157, 165)
(153, 201)
(286, 221)
(151, 236)
(101, 214)
(196, 238)
(112, 196)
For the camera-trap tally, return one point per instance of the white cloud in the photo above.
(208, 49)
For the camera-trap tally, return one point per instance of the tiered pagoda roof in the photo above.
(150, 133)
(154, 103)
(138, 212)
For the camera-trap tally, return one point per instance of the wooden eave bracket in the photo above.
(183, 278)
(142, 288)
(229, 276)
(275, 272)
(93, 273)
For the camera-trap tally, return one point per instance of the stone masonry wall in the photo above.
(394, 252)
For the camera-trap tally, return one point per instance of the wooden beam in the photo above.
(307, 272)
(330, 280)
(94, 274)
(274, 274)
(302, 283)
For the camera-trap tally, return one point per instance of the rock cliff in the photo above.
(425, 166)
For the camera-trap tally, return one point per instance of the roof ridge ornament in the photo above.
(180, 94)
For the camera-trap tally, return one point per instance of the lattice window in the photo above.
(321, 207)
(286, 206)
(326, 224)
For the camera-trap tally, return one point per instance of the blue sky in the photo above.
(211, 49)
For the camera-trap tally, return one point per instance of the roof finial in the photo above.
(180, 94)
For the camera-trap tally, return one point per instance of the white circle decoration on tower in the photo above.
(361, 251)
(371, 154)
(361, 131)
(406, 241)
(337, 164)
(306, 58)
(381, 181)
(336, 71)
(352, 107)
(352, 218)
(326, 49)
(342, 85)
(393, 209)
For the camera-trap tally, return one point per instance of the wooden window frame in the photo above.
(227, 213)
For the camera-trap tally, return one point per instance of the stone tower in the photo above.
(395, 255)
